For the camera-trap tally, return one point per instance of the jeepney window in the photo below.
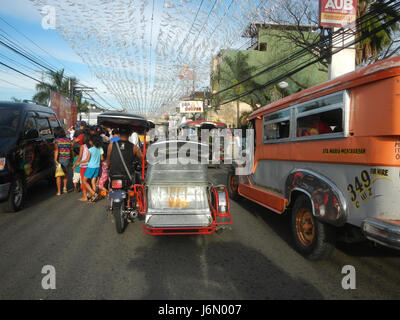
(335, 99)
(277, 130)
(320, 123)
(278, 115)
(322, 116)
(277, 126)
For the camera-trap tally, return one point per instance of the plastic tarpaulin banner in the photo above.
(65, 109)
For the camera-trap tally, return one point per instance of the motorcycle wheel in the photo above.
(119, 218)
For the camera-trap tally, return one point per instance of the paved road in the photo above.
(253, 260)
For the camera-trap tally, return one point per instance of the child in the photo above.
(82, 163)
(93, 167)
(104, 174)
(77, 171)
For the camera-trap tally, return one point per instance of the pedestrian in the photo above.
(71, 132)
(93, 167)
(134, 139)
(83, 155)
(104, 175)
(62, 157)
(77, 170)
(115, 135)
(104, 134)
(78, 134)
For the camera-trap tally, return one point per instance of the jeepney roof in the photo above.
(380, 70)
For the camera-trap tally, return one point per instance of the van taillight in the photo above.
(116, 184)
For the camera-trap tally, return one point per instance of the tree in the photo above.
(82, 106)
(384, 41)
(303, 14)
(58, 83)
(232, 71)
(14, 99)
(299, 21)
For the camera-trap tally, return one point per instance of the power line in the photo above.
(301, 67)
(24, 74)
(18, 49)
(208, 16)
(15, 85)
(305, 51)
(191, 27)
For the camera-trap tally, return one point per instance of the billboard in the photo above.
(337, 13)
(191, 107)
(64, 108)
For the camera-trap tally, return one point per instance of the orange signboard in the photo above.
(65, 109)
(337, 13)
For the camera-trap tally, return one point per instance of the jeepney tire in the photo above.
(13, 204)
(232, 192)
(119, 219)
(324, 238)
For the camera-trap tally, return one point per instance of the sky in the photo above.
(27, 21)
(131, 51)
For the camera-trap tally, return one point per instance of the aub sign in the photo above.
(337, 13)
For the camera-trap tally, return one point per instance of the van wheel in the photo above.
(233, 185)
(314, 240)
(17, 195)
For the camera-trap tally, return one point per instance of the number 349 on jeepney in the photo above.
(329, 156)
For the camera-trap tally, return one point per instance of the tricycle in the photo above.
(173, 196)
(127, 185)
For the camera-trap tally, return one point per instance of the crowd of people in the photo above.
(83, 150)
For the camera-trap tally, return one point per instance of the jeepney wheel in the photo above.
(314, 240)
(119, 218)
(233, 185)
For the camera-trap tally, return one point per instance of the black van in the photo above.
(26, 150)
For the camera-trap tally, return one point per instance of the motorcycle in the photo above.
(126, 190)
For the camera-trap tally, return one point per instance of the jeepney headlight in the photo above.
(2, 163)
(185, 197)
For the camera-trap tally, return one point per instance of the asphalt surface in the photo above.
(255, 259)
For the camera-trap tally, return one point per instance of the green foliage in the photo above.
(82, 106)
(234, 69)
(14, 99)
(372, 46)
(57, 82)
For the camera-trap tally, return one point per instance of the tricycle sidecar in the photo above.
(180, 198)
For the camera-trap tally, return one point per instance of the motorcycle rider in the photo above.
(129, 151)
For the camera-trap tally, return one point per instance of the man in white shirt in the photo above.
(134, 138)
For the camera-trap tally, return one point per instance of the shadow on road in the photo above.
(40, 192)
(367, 249)
(281, 225)
(192, 268)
